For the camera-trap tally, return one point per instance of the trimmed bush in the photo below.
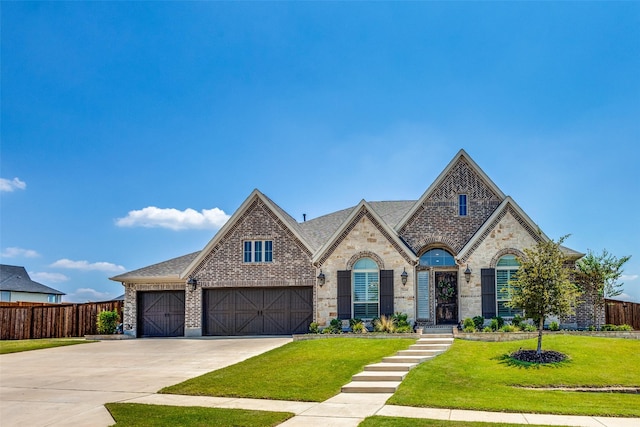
(478, 322)
(107, 322)
(554, 326)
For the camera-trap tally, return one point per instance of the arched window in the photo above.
(506, 270)
(437, 258)
(366, 289)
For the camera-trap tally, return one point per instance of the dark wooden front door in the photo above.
(257, 311)
(446, 297)
(161, 314)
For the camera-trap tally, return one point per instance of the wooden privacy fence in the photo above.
(622, 313)
(30, 321)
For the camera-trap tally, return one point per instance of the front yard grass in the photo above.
(139, 415)
(311, 371)
(380, 421)
(15, 346)
(475, 375)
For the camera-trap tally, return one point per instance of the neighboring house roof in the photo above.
(16, 279)
(161, 271)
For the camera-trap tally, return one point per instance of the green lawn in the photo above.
(378, 421)
(131, 414)
(310, 371)
(475, 375)
(15, 346)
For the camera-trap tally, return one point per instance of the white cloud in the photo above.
(19, 253)
(628, 277)
(87, 266)
(88, 294)
(9, 185)
(174, 219)
(625, 297)
(45, 277)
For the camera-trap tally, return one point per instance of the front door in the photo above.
(446, 297)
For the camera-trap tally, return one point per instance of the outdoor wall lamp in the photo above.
(467, 274)
(404, 276)
(192, 282)
(321, 278)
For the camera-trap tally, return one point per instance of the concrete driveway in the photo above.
(68, 386)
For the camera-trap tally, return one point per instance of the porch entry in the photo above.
(444, 293)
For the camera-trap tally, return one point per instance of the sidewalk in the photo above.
(349, 409)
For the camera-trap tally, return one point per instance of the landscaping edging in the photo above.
(108, 337)
(371, 335)
(515, 336)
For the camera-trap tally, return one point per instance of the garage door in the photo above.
(161, 314)
(257, 311)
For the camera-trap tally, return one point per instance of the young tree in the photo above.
(597, 276)
(542, 287)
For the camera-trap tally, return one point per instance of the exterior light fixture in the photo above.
(467, 274)
(404, 276)
(321, 278)
(192, 282)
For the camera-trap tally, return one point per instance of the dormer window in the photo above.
(462, 205)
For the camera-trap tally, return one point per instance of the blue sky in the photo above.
(131, 131)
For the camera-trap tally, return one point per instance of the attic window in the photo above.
(258, 251)
(462, 205)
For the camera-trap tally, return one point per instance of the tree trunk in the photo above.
(540, 328)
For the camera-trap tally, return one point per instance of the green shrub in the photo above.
(509, 328)
(335, 327)
(358, 327)
(554, 326)
(401, 322)
(478, 322)
(107, 322)
(499, 322)
(494, 325)
(517, 321)
(487, 329)
(469, 329)
(314, 328)
(468, 324)
(528, 327)
(616, 328)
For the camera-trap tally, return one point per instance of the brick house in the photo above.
(444, 257)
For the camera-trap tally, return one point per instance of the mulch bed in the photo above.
(546, 356)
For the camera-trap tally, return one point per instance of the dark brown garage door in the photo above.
(257, 311)
(161, 314)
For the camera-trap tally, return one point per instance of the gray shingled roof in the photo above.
(172, 267)
(319, 230)
(16, 279)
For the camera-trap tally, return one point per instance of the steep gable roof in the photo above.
(363, 209)
(508, 205)
(460, 156)
(16, 279)
(285, 218)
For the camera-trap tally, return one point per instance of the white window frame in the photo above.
(372, 279)
(257, 256)
(511, 270)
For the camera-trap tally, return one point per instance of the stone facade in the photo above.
(364, 238)
(506, 236)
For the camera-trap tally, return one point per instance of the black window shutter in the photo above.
(386, 292)
(488, 283)
(344, 294)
